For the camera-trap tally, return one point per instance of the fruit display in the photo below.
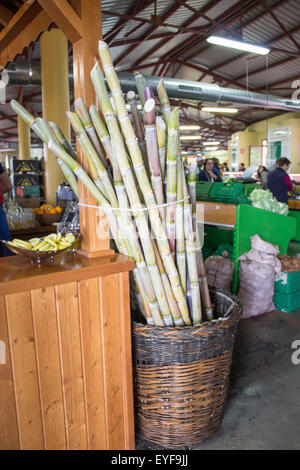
(52, 242)
(48, 209)
(290, 264)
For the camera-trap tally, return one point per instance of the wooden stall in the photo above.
(65, 367)
(65, 346)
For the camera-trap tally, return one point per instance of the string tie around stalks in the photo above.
(134, 210)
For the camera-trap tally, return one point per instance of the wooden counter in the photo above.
(65, 354)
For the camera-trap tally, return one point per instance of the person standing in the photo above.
(200, 163)
(242, 167)
(209, 173)
(5, 187)
(262, 176)
(279, 182)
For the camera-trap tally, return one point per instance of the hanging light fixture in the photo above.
(219, 110)
(239, 45)
(190, 137)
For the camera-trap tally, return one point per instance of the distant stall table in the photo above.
(33, 232)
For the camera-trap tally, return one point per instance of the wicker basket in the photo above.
(181, 376)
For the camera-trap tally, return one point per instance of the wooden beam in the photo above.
(19, 22)
(65, 17)
(95, 242)
(5, 15)
(30, 33)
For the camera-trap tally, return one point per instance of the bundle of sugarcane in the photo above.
(149, 206)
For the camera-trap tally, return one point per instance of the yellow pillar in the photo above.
(56, 99)
(24, 139)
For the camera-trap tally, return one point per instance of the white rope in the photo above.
(134, 210)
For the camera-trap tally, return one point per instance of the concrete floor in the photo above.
(263, 404)
(262, 410)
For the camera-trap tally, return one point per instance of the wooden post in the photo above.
(23, 139)
(56, 99)
(93, 224)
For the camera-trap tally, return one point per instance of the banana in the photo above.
(22, 244)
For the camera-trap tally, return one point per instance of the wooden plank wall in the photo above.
(67, 378)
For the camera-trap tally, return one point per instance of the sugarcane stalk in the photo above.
(172, 151)
(178, 320)
(191, 255)
(153, 156)
(62, 139)
(161, 141)
(141, 85)
(140, 171)
(180, 241)
(164, 100)
(148, 93)
(89, 128)
(44, 134)
(92, 156)
(136, 116)
(46, 131)
(192, 175)
(134, 246)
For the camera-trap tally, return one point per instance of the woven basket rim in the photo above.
(209, 323)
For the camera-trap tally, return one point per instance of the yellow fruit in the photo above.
(34, 241)
(58, 209)
(69, 237)
(52, 237)
(50, 242)
(22, 244)
(46, 248)
(58, 237)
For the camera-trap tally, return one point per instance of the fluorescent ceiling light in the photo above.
(208, 149)
(189, 128)
(219, 110)
(211, 143)
(241, 46)
(190, 137)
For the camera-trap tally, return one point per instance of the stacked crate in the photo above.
(287, 292)
(27, 175)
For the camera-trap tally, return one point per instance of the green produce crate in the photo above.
(202, 190)
(226, 192)
(287, 303)
(296, 215)
(31, 191)
(249, 187)
(206, 252)
(288, 284)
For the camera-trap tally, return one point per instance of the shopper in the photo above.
(217, 166)
(209, 173)
(225, 167)
(200, 164)
(242, 167)
(262, 176)
(279, 181)
(5, 187)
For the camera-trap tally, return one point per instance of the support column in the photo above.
(56, 99)
(24, 139)
(93, 224)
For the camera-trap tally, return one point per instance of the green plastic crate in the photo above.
(249, 187)
(226, 192)
(206, 252)
(202, 190)
(288, 284)
(32, 191)
(287, 303)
